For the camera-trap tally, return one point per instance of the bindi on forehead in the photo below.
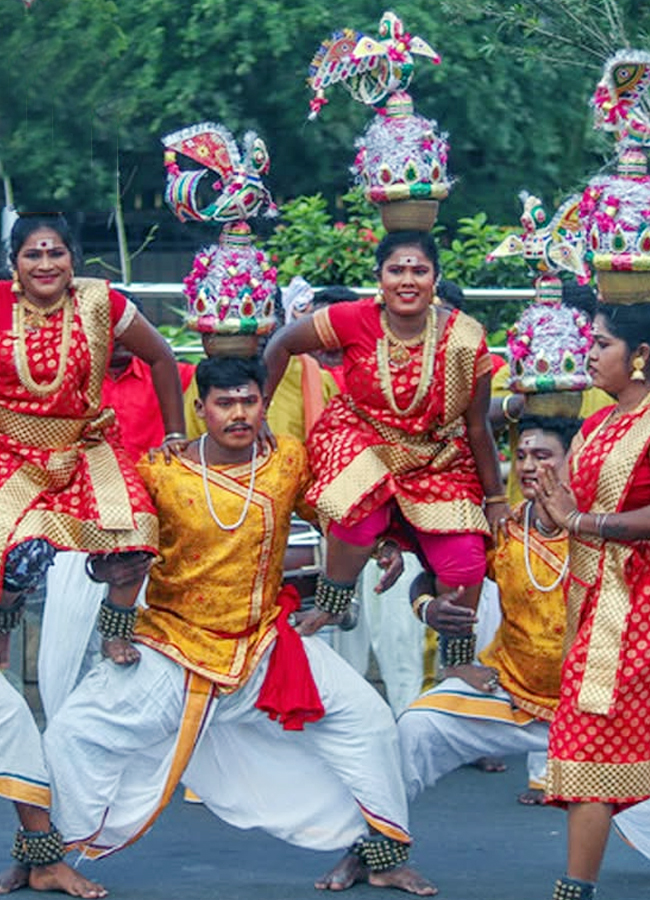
(529, 442)
(45, 244)
(242, 390)
(408, 261)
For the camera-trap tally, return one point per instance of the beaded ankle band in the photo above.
(457, 651)
(116, 621)
(332, 596)
(10, 616)
(573, 889)
(38, 848)
(380, 853)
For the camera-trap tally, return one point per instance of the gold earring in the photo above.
(16, 286)
(637, 373)
(379, 297)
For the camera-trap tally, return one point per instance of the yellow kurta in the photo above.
(285, 414)
(211, 607)
(527, 648)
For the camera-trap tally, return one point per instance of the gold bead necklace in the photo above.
(38, 318)
(390, 348)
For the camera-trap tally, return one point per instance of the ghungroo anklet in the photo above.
(10, 616)
(116, 621)
(38, 848)
(573, 889)
(457, 651)
(333, 597)
(380, 853)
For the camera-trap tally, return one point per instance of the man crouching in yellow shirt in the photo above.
(226, 694)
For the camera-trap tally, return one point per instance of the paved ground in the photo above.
(473, 839)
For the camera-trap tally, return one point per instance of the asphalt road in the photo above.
(472, 839)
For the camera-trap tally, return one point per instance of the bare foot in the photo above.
(13, 878)
(350, 870)
(60, 877)
(533, 797)
(404, 879)
(120, 651)
(490, 764)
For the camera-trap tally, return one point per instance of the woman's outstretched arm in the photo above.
(298, 337)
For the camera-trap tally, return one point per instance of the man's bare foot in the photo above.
(120, 651)
(14, 878)
(60, 877)
(404, 879)
(350, 870)
(533, 797)
(489, 764)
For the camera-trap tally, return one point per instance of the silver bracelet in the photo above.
(575, 524)
(601, 520)
(422, 612)
(174, 436)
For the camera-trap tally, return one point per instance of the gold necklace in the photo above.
(398, 347)
(39, 315)
(22, 309)
(384, 359)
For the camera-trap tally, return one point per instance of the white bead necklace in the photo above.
(529, 571)
(206, 488)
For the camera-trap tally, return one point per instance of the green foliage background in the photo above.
(84, 80)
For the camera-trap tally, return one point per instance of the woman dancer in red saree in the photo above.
(599, 753)
(408, 446)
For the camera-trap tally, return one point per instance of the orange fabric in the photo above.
(312, 391)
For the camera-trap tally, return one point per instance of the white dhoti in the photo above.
(111, 746)
(633, 825)
(387, 624)
(454, 724)
(23, 776)
(70, 644)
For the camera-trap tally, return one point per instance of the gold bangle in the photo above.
(496, 498)
(504, 409)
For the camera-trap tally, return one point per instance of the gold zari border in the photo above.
(598, 567)
(584, 781)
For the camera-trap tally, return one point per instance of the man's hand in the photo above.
(120, 569)
(389, 559)
(310, 622)
(445, 614)
(481, 678)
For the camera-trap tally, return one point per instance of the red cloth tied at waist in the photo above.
(289, 693)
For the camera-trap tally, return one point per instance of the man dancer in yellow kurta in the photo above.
(504, 703)
(220, 663)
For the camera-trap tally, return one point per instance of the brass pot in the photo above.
(624, 287)
(230, 344)
(554, 403)
(409, 215)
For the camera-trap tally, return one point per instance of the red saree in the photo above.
(63, 474)
(600, 737)
(363, 454)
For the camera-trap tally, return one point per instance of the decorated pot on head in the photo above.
(231, 287)
(615, 207)
(402, 159)
(549, 344)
